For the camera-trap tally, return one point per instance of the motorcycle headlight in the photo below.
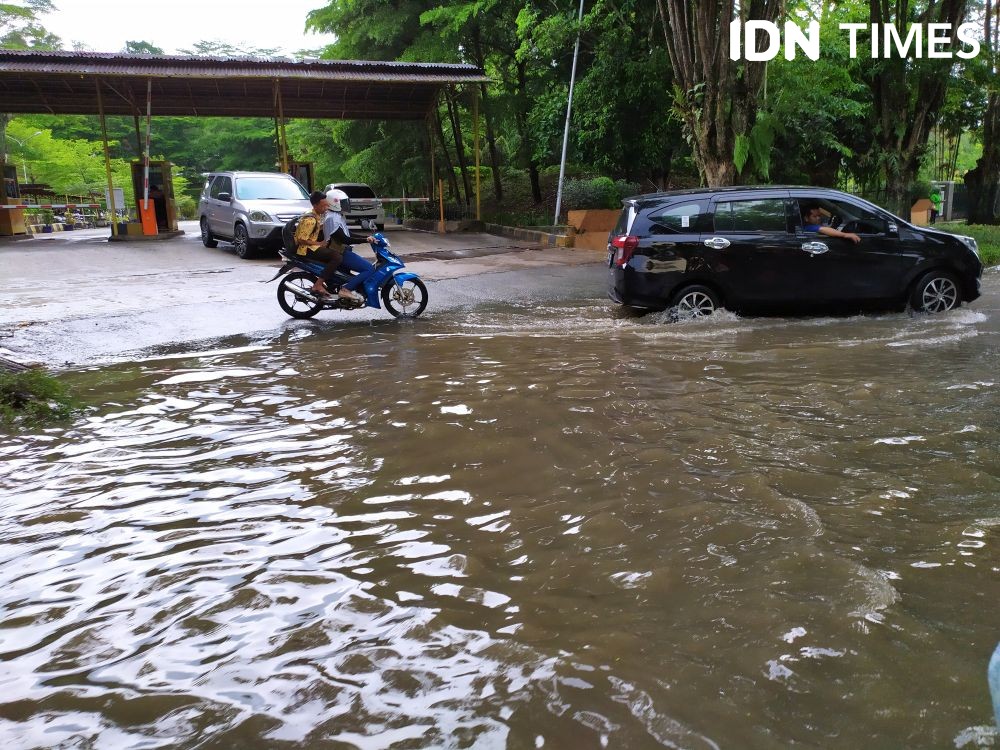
(260, 216)
(970, 243)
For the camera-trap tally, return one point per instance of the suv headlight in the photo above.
(261, 216)
(970, 243)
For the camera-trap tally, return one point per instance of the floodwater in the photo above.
(530, 526)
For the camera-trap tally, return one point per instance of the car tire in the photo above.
(380, 227)
(206, 234)
(694, 301)
(935, 292)
(241, 242)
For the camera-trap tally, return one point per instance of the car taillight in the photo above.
(624, 246)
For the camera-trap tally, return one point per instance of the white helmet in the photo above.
(338, 200)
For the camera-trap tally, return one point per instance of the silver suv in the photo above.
(249, 209)
(364, 203)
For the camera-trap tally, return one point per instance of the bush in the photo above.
(600, 192)
(31, 397)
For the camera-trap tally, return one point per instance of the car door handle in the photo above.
(717, 243)
(815, 248)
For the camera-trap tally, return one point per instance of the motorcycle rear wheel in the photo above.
(294, 295)
(407, 300)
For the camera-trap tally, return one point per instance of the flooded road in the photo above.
(529, 525)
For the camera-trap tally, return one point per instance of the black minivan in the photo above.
(782, 249)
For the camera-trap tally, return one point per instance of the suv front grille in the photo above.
(286, 217)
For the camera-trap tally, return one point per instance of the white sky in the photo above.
(105, 25)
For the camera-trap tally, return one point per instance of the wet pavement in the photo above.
(73, 298)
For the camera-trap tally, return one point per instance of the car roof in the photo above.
(348, 184)
(704, 191)
(237, 173)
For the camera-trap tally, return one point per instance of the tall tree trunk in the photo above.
(717, 98)
(477, 47)
(521, 120)
(456, 129)
(983, 180)
(439, 130)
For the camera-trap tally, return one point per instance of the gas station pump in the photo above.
(160, 215)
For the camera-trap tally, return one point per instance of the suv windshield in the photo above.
(269, 188)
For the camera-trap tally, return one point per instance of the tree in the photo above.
(907, 94)
(19, 26)
(716, 98)
(142, 48)
(983, 180)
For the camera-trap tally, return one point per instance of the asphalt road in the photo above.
(73, 298)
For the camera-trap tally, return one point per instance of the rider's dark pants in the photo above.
(324, 255)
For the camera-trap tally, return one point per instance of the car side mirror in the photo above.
(225, 197)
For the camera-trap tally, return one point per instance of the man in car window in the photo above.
(812, 217)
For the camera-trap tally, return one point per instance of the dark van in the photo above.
(755, 249)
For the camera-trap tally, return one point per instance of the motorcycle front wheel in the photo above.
(294, 295)
(407, 300)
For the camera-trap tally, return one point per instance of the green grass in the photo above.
(985, 235)
(31, 398)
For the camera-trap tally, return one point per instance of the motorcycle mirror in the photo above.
(366, 223)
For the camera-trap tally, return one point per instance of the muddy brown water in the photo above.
(515, 526)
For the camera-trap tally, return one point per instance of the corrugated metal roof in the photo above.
(64, 83)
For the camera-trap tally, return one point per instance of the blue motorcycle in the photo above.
(403, 294)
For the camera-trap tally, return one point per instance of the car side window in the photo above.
(222, 184)
(680, 219)
(766, 215)
(858, 219)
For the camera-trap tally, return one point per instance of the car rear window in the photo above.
(269, 188)
(766, 215)
(357, 191)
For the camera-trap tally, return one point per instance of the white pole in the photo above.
(569, 107)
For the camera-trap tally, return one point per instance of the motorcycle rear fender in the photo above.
(281, 272)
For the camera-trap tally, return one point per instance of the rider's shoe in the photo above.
(350, 296)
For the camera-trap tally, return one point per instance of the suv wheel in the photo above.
(206, 234)
(241, 241)
(695, 301)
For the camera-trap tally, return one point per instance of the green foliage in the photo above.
(32, 397)
(600, 192)
(19, 27)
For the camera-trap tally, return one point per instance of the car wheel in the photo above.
(241, 241)
(695, 301)
(380, 227)
(935, 292)
(206, 234)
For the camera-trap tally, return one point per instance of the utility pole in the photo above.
(569, 107)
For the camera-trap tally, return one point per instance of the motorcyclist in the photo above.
(340, 238)
(308, 237)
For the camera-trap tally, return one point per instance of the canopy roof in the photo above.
(65, 83)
